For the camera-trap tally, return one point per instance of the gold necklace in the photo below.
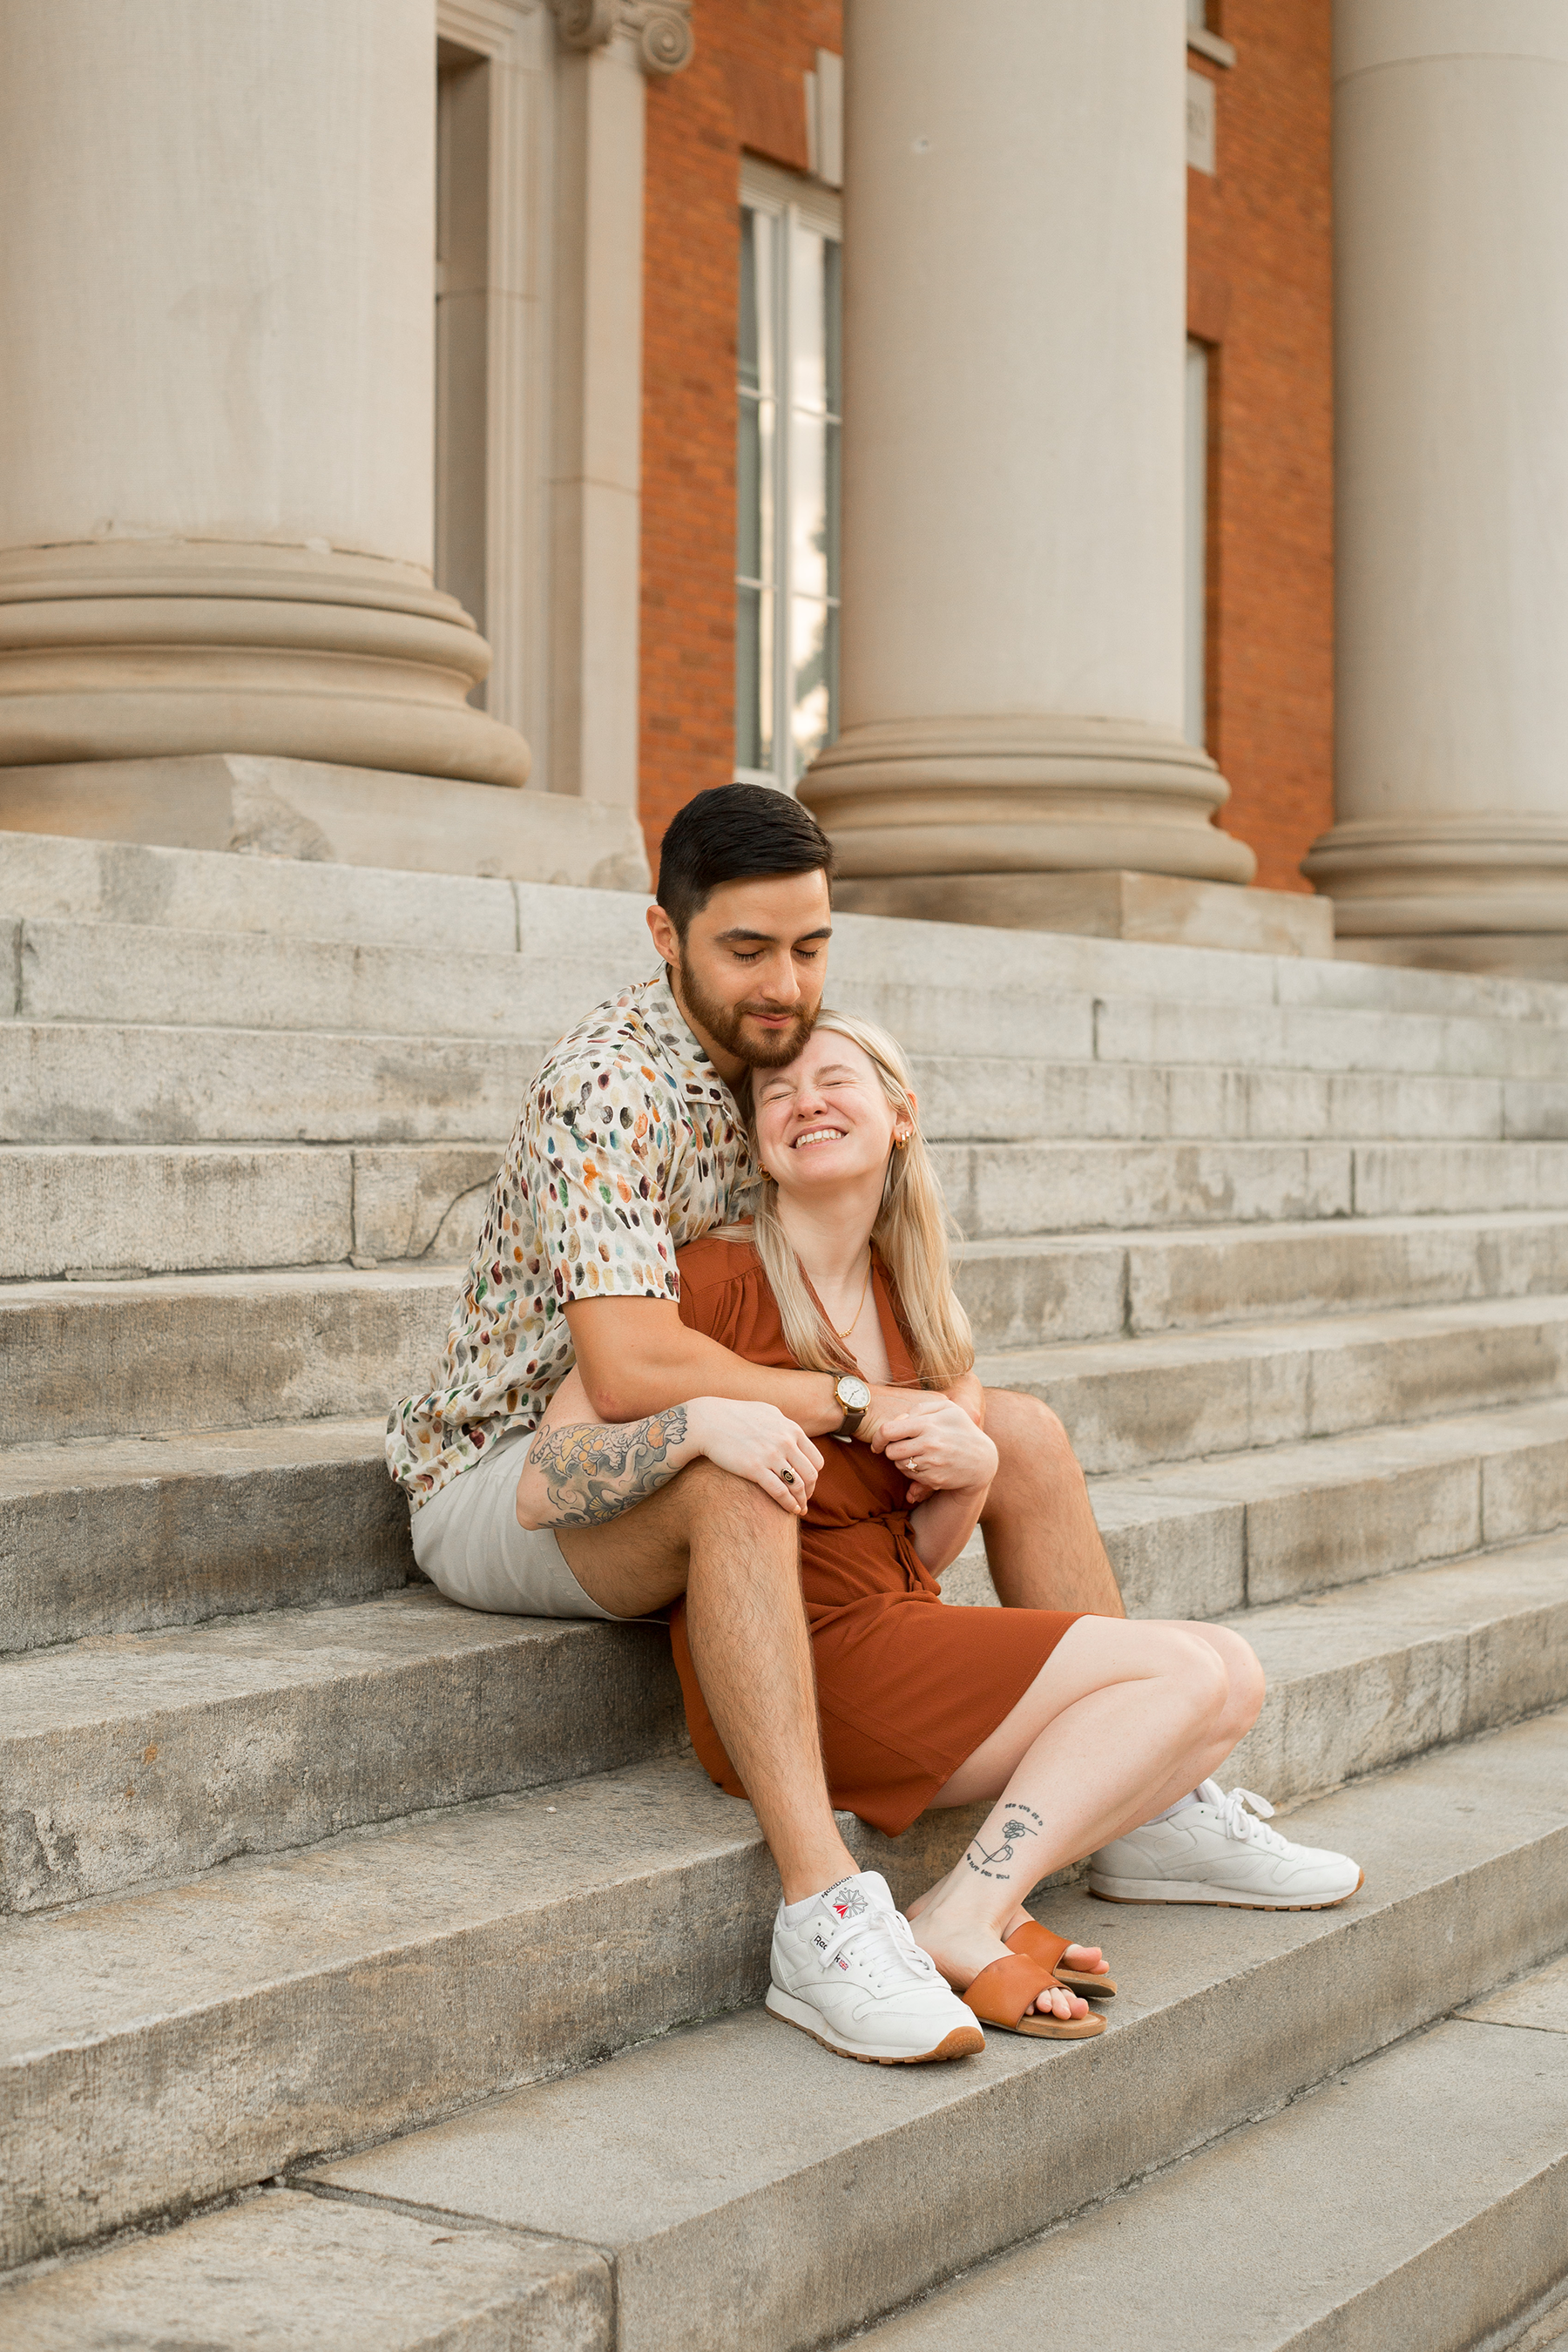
(859, 1303)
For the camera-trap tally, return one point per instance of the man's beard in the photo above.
(768, 1051)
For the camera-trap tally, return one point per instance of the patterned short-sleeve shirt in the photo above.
(628, 1147)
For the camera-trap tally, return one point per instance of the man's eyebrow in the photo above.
(770, 939)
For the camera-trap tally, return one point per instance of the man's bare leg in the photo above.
(736, 1557)
(1041, 1541)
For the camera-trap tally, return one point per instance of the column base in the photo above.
(347, 816)
(1428, 879)
(1022, 794)
(1108, 906)
(1504, 955)
(124, 649)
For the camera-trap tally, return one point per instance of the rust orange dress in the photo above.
(908, 1687)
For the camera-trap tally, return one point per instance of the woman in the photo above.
(1078, 1727)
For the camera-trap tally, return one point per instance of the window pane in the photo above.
(810, 663)
(807, 320)
(756, 428)
(748, 329)
(808, 506)
(754, 678)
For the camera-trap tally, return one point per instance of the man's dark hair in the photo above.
(734, 834)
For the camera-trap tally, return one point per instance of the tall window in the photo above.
(786, 596)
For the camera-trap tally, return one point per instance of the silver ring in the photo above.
(788, 1477)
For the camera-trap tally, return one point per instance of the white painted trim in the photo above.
(1209, 44)
(773, 190)
(517, 38)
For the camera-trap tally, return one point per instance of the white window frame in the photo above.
(516, 40)
(788, 198)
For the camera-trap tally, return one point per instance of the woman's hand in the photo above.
(937, 1444)
(759, 1443)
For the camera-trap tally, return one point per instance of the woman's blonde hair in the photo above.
(910, 1235)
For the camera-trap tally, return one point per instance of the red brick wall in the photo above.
(1260, 290)
(743, 89)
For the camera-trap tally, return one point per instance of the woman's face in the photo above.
(823, 1119)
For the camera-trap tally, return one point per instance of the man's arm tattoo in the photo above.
(595, 1470)
(997, 1863)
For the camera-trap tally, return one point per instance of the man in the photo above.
(631, 1144)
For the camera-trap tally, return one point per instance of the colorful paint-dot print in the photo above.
(628, 1147)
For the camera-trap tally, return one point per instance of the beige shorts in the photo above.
(468, 1542)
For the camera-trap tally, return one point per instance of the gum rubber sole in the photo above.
(962, 2042)
(1229, 1902)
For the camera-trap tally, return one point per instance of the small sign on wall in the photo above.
(1200, 121)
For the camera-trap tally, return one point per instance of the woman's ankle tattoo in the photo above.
(997, 1863)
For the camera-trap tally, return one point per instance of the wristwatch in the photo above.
(854, 1396)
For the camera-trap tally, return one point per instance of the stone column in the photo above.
(1451, 333)
(216, 405)
(1014, 340)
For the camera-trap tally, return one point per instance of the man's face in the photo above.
(749, 974)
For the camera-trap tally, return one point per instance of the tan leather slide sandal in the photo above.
(1033, 1942)
(1000, 1995)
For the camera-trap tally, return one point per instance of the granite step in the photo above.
(1177, 1395)
(703, 2164)
(133, 1535)
(1118, 1007)
(164, 2048)
(174, 1355)
(1434, 2261)
(149, 1757)
(144, 1758)
(111, 1081)
(1023, 1289)
(281, 2270)
(215, 1349)
(194, 891)
(1003, 1189)
(77, 1209)
(1444, 2256)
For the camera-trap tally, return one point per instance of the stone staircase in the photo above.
(412, 1944)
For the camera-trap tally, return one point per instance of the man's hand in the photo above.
(937, 1444)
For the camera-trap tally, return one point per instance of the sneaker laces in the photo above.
(1242, 1825)
(874, 1943)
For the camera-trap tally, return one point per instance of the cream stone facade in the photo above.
(1451, 209)
(274, 489)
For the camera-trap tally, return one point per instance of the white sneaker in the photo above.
(1214, 1851)
(852, 1975)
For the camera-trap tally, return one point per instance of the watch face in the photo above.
(853, 1394)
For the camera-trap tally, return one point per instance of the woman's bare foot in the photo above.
(961, 1947)
(1088, 1959)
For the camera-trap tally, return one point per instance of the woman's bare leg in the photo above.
(1123, 1719)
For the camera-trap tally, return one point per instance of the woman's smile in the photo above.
(818, 1135)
